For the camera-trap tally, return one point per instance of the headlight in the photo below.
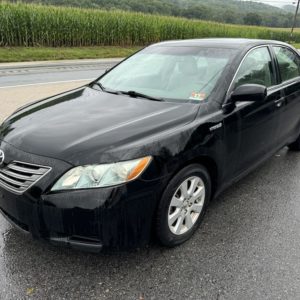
(95, 176)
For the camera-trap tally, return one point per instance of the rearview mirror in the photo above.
(249, 92)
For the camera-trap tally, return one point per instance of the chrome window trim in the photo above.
(287, 83)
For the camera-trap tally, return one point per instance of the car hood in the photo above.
(81, 125)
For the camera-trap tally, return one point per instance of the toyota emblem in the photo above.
(2, 156)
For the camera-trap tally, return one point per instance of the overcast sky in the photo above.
(278, 2)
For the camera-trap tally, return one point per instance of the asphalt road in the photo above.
(247, 248)
(36, 73)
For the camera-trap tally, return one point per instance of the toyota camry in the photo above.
(138, 153)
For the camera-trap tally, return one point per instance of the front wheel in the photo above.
(183, 205)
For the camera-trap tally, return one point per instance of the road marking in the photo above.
(44, 83)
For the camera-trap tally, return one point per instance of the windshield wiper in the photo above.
(98, 84)
(103, 88)
(135, 94)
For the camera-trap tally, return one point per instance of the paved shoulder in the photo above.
(30, 73)
(7, 69)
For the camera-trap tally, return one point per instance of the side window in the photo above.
(288, 63)
(257, 68)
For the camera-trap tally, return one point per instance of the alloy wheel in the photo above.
(186, 205)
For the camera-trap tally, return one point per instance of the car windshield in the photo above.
(172, 73)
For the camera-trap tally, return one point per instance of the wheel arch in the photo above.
(212, 169)
(209, 163)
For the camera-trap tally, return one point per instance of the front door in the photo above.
(258, 122)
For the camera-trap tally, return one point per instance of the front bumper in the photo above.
(115, 218)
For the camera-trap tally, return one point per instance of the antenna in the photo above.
(295, 19)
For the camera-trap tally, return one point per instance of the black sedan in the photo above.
(140, 151)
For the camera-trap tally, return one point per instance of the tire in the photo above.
(183, 202)
(295, 146)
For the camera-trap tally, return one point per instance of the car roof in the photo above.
(237, 43)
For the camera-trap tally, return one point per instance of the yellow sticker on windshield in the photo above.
(197, 96)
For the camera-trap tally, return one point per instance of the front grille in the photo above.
(19, 176)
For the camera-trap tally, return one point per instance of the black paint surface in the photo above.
(87, 126)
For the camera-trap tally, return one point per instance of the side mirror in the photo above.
(249, 92)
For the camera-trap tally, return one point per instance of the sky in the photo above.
(277, 2)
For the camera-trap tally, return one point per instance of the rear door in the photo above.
(288, 64)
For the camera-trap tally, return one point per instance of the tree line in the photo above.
(229, 11)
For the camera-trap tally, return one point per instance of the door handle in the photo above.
(279, 102)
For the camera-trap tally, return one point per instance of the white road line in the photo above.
(44, 83)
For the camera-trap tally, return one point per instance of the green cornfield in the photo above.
(38, 25)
